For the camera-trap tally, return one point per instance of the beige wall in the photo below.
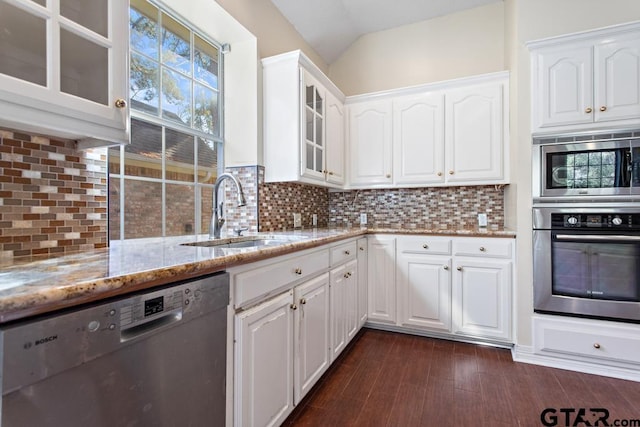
(274, 33)
(458, 45)
(536, 19)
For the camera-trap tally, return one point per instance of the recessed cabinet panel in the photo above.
(381, 273)
(617, 77)
(474, 134)
(418, 127)
(370, 140)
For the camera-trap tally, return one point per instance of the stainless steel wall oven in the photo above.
(587, 260)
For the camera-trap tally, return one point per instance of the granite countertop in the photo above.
(36, 285)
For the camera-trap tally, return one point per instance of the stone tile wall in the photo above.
(418, 207)
(53, 198)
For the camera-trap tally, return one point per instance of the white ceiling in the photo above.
(331, 26)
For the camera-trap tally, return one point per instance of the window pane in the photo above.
(176, 50)
(144, 28)
(179, 154)
(207, 161)
(84, 68)
(114, 160)
(114, 208)
(90, 14)
(143, 209)
(206, 206)
(24, 45)
(206, 110)
(143, 157)
(206, 62)
(176, 97)
(180, 210)
(144, 83)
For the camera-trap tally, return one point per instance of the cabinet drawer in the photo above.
(588, 339)
(424, 245)
(343, 253)
(266, 280)
(495, 248)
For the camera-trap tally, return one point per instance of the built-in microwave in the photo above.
(592, 166)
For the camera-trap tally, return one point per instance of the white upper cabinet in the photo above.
(370, 143)
(303, 113)
(475, 128)
(63, 69)
(587, 81)
(418, 135)
(449, 133)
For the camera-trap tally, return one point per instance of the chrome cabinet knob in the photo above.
(439, 174)
(459, 268)
(298, 271)
(603, 108)
(303, 301)
(425, 246)
(361, 248)
(450, 172)
(588, 110)
(388, 175)
(445, 267)
(293, 307)
(482, 249)
(120, 103)
(596, 345)
(347, 253)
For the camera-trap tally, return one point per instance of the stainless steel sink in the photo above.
(247, 242)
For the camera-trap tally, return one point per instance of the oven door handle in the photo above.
(597, 237)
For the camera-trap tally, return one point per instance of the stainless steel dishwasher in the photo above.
(156, 358)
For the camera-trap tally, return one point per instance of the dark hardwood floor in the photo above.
(389, 379)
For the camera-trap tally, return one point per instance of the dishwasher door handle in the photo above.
(150, 326)
(581, 237)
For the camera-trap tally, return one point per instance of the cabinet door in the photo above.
(382, 279)
(311, 330)
(564, 87)
(313, 127)
(482, 298)
(424, 291)
(63, 68)
(338, 311)
(474, 134)
(362, 281)
(351, 300)
(418, 139)
(335, 140)
(617, 80)
(264, 363)
(370, 143)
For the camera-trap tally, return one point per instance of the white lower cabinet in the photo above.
(381, 273)
(424, 291)
(344, 306)
(264, 363)
(362, 281)
(284, 343)
(482, 298)
(455, 286)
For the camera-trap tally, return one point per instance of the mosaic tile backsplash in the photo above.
(52, 197)
(245, 216)
(418, 207)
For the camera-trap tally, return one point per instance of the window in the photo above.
(161, 184)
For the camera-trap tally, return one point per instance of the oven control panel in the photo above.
(595, 220)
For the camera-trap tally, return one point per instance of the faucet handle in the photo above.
(238, 231)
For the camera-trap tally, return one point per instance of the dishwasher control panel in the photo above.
(145, 307)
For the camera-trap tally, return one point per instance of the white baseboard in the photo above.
(525, 354)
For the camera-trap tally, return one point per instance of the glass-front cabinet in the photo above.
(63, 69)
(313, 151)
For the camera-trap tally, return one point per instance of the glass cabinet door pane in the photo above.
(319, 167)
(318, 103)
(42, 3)
(310, 162)
(84, 68)
(92, 14)
(309, 125)
(308, 98)
(319, 130)
(23, 41)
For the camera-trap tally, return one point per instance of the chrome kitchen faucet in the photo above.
(217, 220)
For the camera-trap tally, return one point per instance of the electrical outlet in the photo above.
(297, 220)
(482, 220)
(363, 219)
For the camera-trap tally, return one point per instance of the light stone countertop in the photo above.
(37, 285)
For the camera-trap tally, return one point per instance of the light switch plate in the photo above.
(297, 220)
(482, 220)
